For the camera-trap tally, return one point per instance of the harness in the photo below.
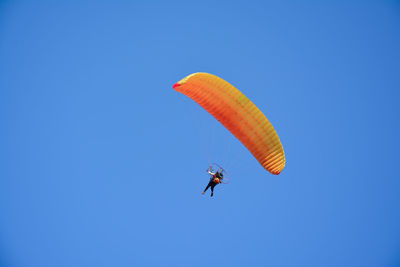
(216, 178)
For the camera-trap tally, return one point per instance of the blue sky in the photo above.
(102, 163)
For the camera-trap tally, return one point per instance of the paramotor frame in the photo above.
(216, 166)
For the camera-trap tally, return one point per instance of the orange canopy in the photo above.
(238, 114)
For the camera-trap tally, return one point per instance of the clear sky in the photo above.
(102, 163)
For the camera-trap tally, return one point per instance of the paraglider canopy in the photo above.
(238, 114)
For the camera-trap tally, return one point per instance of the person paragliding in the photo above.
(216, 178)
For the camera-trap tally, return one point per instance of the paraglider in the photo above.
(216, 178)
(239, 115)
